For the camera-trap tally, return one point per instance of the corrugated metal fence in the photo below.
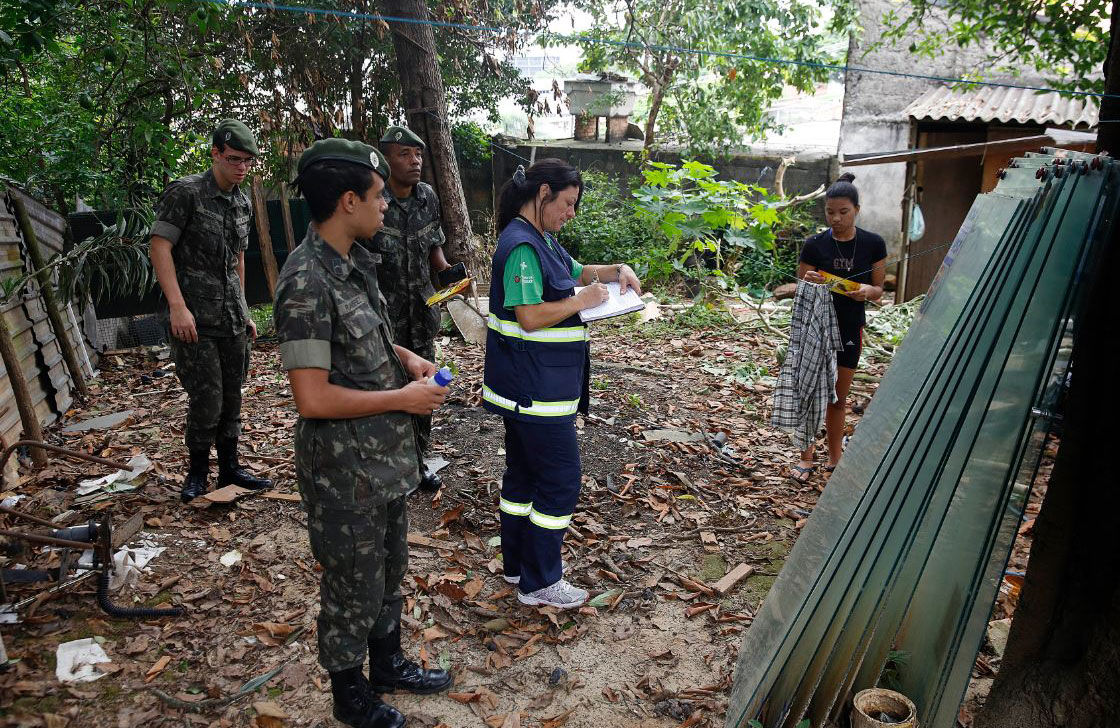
(34, 340)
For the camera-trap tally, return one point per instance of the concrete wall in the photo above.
(874, 118)
(619, 160)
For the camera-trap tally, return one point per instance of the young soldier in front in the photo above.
(198, 252)
(356, 450)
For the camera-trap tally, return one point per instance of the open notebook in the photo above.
(616, 305)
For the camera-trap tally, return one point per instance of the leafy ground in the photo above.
(683, 482)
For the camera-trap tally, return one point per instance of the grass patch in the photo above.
(161, 598)
(698, 317)
(713, 568)
(48, 704)
(262, 317)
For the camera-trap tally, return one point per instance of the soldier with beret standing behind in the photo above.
(198, 252)
(411, 248)
(356, 450)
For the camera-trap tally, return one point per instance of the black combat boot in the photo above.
(357, 705)
(429, 482)
(230, 471)
(390, 670)
(194, 484)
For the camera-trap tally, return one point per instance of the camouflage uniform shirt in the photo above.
(208, 230)
(329, 316)
(411, 230)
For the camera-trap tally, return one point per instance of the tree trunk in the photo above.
(426, 106)
(357, 90)
(656, 96)
(1062, 663)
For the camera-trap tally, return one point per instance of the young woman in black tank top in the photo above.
(856, 254)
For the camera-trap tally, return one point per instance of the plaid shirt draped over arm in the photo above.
(807, 382)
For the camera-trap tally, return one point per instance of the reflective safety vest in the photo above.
(541, 375)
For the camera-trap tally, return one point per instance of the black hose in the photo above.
(113, 610)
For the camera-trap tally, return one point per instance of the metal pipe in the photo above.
(56, 588)
(28, 516)
(60, 450)
(49, 540)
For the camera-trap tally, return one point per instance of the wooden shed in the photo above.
(959, 141)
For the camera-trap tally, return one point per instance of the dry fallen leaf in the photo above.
(156, 669)
(270, 709)
(557, 720)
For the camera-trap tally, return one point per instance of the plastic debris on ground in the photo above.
(118, 481)
(75, 660)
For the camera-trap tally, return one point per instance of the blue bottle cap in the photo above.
(443, 377)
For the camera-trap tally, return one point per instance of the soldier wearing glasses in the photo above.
(198, 252)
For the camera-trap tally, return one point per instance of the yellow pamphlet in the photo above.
(837, 284)
(445, 293)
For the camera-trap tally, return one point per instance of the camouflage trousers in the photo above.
(212, 372)
(364, 560)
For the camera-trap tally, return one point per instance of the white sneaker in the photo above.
(561, 595)
(517, 579)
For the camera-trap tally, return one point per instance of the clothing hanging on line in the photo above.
(807, 382)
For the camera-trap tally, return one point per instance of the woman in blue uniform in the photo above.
(858, 255)
(537, 365)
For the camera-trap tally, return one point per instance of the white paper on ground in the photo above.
(129, 562)
(616, 305)
(436, 463)
(75, 661)
(139, 464)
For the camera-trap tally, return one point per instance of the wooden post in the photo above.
(268, 258)
(286, 213)
(31, 429)
(49, 301)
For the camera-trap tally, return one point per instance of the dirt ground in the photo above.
(683, 482)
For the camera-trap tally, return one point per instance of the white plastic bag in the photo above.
(917, 223)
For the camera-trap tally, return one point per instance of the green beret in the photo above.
(344, 150)
(233, 133)
(402, 135)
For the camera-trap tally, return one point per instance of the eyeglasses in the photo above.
(246, 162)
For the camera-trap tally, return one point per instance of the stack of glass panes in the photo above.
(906, 548)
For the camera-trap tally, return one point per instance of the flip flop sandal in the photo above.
(805, 473)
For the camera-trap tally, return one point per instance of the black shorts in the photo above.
(851, 336)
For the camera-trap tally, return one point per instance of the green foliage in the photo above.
(709, 102)
(111, 100)
(700, 316)
(106, 101)
(711, 223)
(891, 677)
(608, 228)
(472, 143)
(1065, 41)
(262, 317)
(113, 263)
(760, 271)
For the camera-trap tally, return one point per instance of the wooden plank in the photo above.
(286, 213)
(264, 236)
(965, 150)
(733, 577)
